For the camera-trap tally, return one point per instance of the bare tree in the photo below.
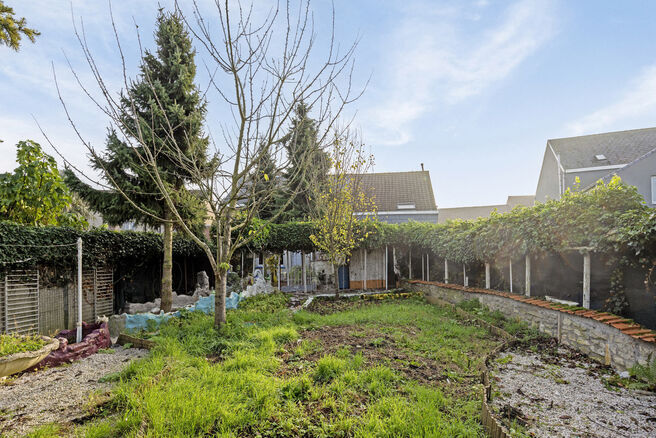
(260, 70)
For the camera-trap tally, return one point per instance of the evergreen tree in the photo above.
(11, 28)
(265, 180)
(309, 165)
(162, 114)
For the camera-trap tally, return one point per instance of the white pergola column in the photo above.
(464, 275)
(386, 267)
(394, 262)
(510, 267)
(427, 267)
(303, 270)
(365, 268)
(410, 264)
(423, 273)
(528, 275)
(279, 270)
(446, 271)
(487, 275)
(586, 279)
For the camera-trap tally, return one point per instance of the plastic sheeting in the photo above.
(142, 321)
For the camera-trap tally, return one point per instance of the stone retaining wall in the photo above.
(599, 340)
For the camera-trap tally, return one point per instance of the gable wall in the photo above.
(548, 180)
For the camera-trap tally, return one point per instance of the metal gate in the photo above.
(19, 303)
(97, 292)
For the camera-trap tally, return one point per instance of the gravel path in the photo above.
(564, 398)
(58, 394)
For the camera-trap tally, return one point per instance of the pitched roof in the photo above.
(620, 172)
(620, 147)
(393, 188)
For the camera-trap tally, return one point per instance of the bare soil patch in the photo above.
(375, 347)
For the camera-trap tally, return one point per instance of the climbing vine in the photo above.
(610, 218)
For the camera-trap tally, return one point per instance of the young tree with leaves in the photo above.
(160, 115)
(12, 29)
(339, 207)
(35, 193)
(260, 84)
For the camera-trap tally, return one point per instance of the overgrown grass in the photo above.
(202, 382)
(515, 327)
(645, 373)
(10, 344)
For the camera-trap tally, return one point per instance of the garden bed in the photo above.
(324, 305)
(400, 367)
(18, 353)
(544, 389)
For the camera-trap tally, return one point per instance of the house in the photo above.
(446, 214)
(400, 196)
(629, 154)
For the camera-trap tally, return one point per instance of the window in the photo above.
(405, 205)
(653, 189)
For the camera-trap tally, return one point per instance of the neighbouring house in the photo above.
(399, 197)
(475, 212)
(629, 154)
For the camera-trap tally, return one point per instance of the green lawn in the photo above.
(397, 368)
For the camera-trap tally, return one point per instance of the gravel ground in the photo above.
(561, 397)
(58, 394)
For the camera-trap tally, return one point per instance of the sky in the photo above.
(471, 89)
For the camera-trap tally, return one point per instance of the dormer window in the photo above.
(600, 157)
(405, 206)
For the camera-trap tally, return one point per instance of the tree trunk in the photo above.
(167, 268)
(220, 297)
(336, 279)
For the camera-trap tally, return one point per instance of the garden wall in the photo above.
(602, 336)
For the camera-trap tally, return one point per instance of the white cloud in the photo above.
(435, 59)
(638, 101)
(26, 77)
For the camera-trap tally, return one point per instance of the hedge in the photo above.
(22, 245)
(609, 218)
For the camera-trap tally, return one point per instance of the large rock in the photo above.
(202, 288)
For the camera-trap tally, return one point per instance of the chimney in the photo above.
(422, 167)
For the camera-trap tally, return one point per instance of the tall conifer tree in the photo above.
(164, 105)
(308, 168)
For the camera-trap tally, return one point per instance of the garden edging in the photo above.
(611, 339)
